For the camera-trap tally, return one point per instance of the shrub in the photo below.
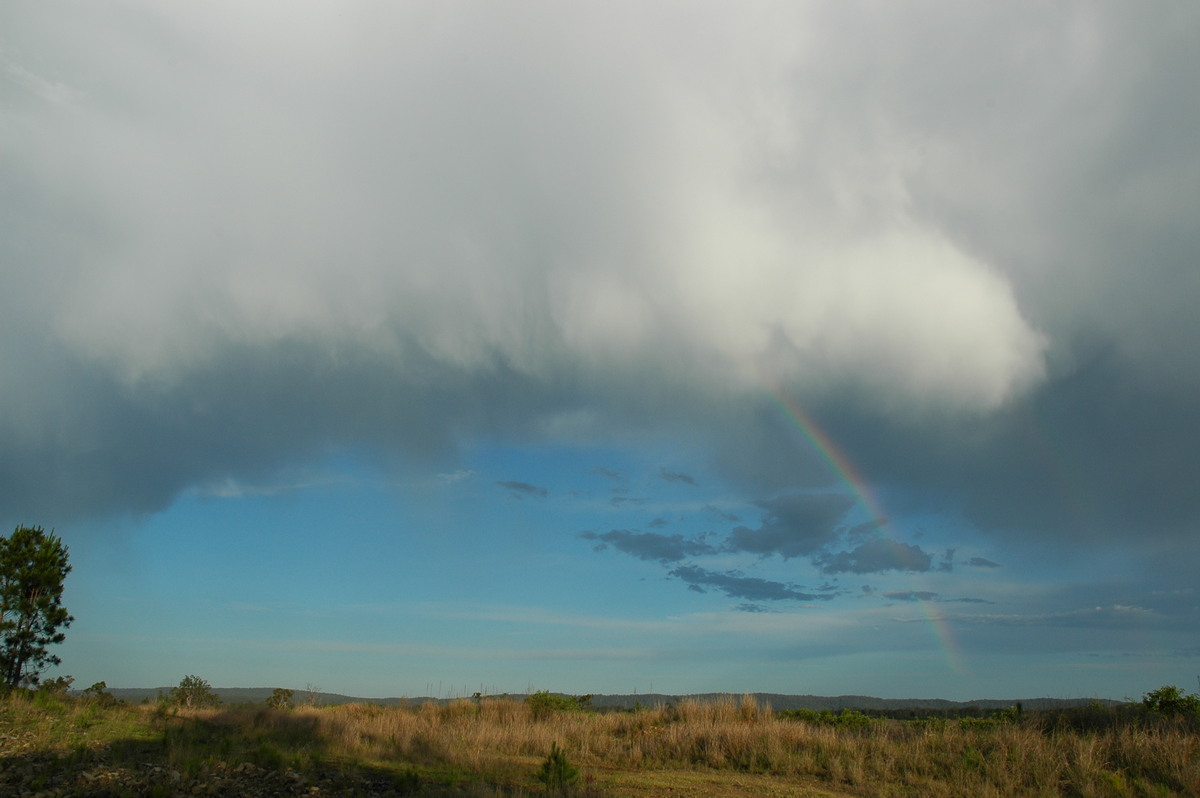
(280, 699)
(193, 692)
(98, 692)
(56, 687)
(1170, 700)
(557, 773)
(846, 718)
(544, 703)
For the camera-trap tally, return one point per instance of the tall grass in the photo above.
(502, 742)
(950, 759)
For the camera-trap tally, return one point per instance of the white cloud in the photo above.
(460, 196)
(621, 213)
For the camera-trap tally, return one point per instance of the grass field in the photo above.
(86, 746)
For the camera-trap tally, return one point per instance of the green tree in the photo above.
(1171, 700)
(98, 692)
(281, 698)
(33, 566)
(193, 692)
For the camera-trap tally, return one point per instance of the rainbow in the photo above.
(846, 472)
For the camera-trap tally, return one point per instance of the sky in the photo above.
(426, 348)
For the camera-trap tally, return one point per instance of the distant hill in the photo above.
(777, 701)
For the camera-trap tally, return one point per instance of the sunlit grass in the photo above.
(498, 745)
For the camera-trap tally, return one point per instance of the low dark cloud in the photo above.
(520, 489)
(659, 523)
(926, 595)
(980, 562)
(652, 546)
(947, 563)
(676, 476)
(248, 413)
(794, 525)
(718, 512)
(876, 556)
(735, 585)
(619, 501)
(910, 595)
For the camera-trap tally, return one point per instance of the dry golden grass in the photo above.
(501, 736)
(725, 748)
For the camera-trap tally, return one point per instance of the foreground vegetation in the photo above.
(92, 745)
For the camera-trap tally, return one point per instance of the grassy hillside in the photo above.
(92, 746)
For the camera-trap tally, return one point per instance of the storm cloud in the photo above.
(235, 242)
(834, 293)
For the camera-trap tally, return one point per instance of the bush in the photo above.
(193, 692)
(56, 687)
(544, 703)
(1171, 700)
(98, 692)
(557, 773)
(845, 719)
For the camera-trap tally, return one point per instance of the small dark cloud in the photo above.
(980, 562)
(731, 517)
(750, 608)
(875, 556)
(735, 585)
(652, 546)
(618, 501)
(926, 595)
(520, 489)
(910, 595)
(947, 563)
(659, 523)
(676, 476)
(608, 473)
(795, 525)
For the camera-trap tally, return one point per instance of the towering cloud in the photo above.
(235, 237)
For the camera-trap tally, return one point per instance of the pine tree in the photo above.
(33, 566)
